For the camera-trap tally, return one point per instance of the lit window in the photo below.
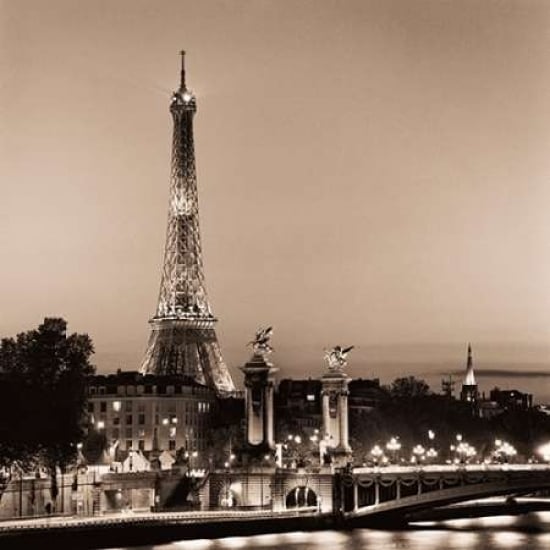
(172, 431)
(100, 424)
(310, 397)
(165, 421)
(173, 419)
(116, 406)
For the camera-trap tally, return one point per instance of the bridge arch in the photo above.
(369, 493)
(301, 496)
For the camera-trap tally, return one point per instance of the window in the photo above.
(103, 406)
(172, 431)
(141, 419)
(130, 390)
(102, 390)
(141, 432)
(128, 433)
(157, 419)
(92, 390)
(141, 445)
(140, 390)
(310, 397)
(170, 390)
(116, 406)
(173, 419)
(129, 444)
(172, 445)
(141, 406)
(90, 407)
(129, 405)
(115, 433)
(129, 419)
(116, 420)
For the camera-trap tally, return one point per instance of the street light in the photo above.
(431, 453)
(504, 451)
(418, 453)
(376, 453)
(393, 445)
(544, 451)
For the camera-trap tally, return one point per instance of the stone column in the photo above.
(258, 381)
(344, 431)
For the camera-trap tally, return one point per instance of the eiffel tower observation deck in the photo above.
(183, 340)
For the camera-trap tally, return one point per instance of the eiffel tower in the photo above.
(183, 341)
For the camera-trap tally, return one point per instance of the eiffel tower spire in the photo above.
(183, 340)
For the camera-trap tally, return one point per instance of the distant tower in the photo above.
(183, 340)
(469, 387)
(259, 389)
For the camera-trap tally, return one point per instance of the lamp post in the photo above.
(376, 453)
(393, 446)
(504, 451)
(431, 454)
(418, 453)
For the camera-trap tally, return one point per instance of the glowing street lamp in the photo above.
(376, 453)
(393, 446)
(504, 451)
(544, 451)
(431, 454)
(418, 453)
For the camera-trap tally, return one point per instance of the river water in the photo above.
(528, 532)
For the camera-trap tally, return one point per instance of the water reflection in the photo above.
(531, 531)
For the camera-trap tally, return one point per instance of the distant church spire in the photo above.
(470, 379)
(469, 386)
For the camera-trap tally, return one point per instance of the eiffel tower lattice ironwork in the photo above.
(183, 340)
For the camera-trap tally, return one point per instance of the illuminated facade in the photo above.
(183, 341)
(151, 413)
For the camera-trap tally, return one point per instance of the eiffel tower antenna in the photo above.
(183, 341)
(182, 73)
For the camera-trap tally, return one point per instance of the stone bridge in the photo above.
(363, 495)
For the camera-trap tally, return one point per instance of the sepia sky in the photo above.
(373, 173)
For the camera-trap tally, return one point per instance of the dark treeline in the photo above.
(43, 374)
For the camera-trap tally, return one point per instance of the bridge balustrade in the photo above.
(366, 488)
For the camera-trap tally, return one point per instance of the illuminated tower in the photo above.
(183, 340)
(469, 387)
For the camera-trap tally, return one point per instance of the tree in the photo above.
(409, 387)
(43, 395)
